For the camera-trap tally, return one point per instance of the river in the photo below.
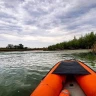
(21, 72)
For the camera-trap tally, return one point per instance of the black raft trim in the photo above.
(70, 68)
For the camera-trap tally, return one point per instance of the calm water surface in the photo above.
(21, 72)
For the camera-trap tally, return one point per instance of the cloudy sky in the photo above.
(39, 23)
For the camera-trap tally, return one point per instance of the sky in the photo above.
(40, 23)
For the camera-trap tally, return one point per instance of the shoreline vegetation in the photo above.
(84, 42)
(6, 49)
(20, 47)
(94, 48)
(28, 49)
(87, 56)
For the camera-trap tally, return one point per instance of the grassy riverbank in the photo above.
(88, 55)
(7, 49)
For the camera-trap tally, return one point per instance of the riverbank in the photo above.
(42, 49)
(9, 50)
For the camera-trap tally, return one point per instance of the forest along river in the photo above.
(21, 72)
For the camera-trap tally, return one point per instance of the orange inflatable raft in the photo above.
(68, 78)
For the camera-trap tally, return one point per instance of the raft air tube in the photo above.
(87, 82)
(50, 84)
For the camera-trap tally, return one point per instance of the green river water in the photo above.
(21, 72)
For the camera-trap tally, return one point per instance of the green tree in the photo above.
(10, 46)
(84, 42)
(20, 46)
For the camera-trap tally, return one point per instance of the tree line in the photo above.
(19, 46)
(84, 42)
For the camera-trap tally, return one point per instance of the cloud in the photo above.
(38, 23)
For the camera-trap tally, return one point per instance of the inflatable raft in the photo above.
(68, 78)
